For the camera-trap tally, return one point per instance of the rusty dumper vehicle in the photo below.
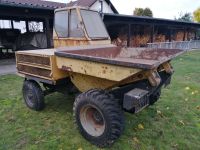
(110, 79)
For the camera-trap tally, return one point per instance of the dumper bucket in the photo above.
(141, 58)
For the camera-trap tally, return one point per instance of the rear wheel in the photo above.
(99, 117)
(33, 95)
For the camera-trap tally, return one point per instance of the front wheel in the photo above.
(98, 117)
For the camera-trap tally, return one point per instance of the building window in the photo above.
(21, 25)
(5, 24)
(35, 26)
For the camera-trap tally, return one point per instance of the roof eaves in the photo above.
(152, 19)
(27, 6)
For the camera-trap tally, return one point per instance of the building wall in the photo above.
(97, 6)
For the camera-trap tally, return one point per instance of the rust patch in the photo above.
(140, 76)
(34, 71)
(156, 54)
(67, 68)
(110, 52)
(33, 59)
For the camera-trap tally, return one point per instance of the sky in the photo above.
(168, 9)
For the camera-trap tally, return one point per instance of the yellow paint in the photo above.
(168, 68)
(99, 70)
(55, 73)
(85, 82)
(69, 42)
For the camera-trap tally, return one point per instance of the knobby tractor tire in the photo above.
(154, 97)
(99, 117)
(33, 95)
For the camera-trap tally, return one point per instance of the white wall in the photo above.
(97, 6)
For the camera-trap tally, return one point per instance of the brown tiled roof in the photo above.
(85, 3)
(33, 4)
(89, 3)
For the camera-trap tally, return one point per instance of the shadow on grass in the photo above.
(64, 104)
(59, 103)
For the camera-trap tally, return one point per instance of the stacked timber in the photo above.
(140, 40)
(179, 36)
(159, 38)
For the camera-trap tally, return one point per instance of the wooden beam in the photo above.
(152, 33)
(170, 34)
(27, 27)
(129, 35)
(195, 35)
(47, 30)
(184, 34)
(12, 25)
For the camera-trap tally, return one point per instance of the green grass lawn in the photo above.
(172, 123)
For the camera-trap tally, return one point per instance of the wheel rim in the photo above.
(29, 98)
(92, 120)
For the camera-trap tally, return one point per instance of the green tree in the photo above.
(143, 12)
(138, 12)
(197, 15)
(148, 12)
(185, 17)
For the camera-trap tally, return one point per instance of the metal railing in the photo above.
(184, 45)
